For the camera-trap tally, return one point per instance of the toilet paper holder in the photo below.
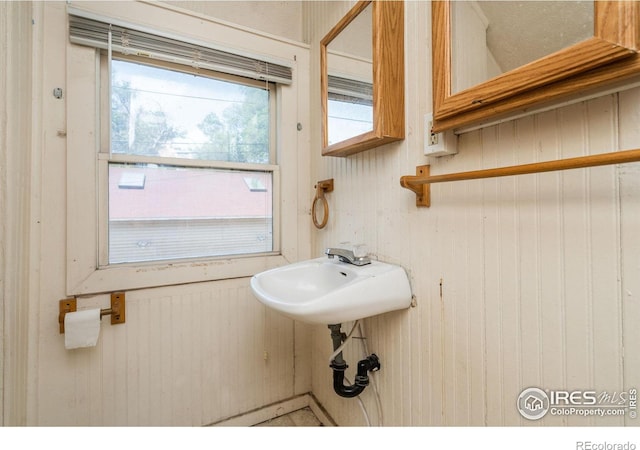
(117, 310)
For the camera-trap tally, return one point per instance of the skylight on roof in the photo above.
(255, 184)
(132, 180)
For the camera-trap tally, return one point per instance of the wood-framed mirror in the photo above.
(362, 79)
(607, 56)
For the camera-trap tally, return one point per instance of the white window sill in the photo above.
(127, 277)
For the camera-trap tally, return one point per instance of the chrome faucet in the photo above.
(347, 256)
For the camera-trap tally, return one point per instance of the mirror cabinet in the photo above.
(362, 79)
(474, 82)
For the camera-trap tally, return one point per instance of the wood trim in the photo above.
(388, 71)
(324, 61)
(581, 84)
(617, 21)
(418, 183)
(356, 144)
(344, 22)
(441, 52)
(324, 95)
(568, 62)
(609, 56)
(579, 162)
(388, 79)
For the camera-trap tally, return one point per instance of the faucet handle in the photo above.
(360, 250)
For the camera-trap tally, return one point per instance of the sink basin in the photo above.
(329, 291)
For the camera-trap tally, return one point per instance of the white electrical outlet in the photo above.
(438, 144)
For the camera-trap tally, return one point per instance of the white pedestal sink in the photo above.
(328, 291)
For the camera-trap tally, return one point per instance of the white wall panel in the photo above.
(16, 130)
(519, 281)
(187, 355)
(630, 242)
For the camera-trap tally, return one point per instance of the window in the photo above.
(350, 108)
(183, 119)
(168, 195)
(167, 113)
(186, 212)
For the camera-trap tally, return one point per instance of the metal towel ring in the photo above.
(321, 188)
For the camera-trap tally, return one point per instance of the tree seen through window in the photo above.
(159, 112)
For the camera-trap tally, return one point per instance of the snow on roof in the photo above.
(176, 192)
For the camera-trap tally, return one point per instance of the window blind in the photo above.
(349, 90)
(131, 40)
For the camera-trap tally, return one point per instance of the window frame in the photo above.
(85, 274)
(105, 156)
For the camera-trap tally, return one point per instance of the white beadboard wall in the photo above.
(528, 281)
(15, 22)
(519, 281)
(187, 355)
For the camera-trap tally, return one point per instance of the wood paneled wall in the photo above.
(528, 281)
(16, 133)
(519, 281)
(188, 355)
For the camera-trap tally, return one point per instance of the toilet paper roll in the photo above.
(81, 328)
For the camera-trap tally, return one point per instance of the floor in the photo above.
(301, 418)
